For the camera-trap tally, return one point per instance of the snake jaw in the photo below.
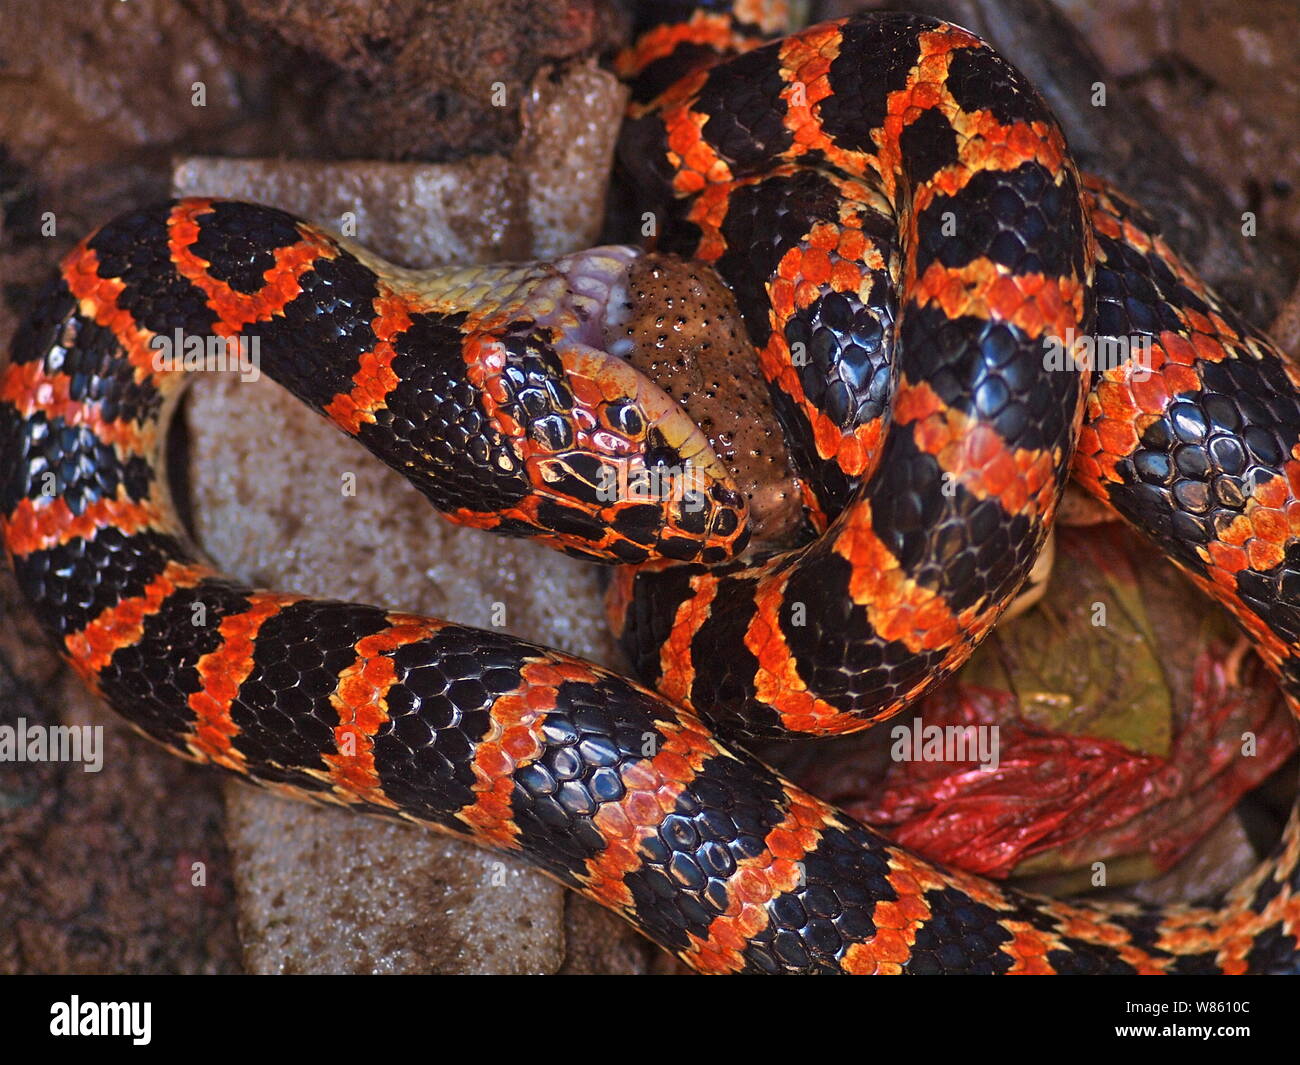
(652, 452)
(652, 455)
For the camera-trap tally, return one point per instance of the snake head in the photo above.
(639, 480)
(599, 461)
(513, 413)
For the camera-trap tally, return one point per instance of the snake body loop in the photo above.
(896, 212)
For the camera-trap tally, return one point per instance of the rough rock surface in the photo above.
(324, 890)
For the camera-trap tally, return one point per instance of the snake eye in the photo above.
(624, 417)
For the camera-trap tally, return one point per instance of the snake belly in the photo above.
(896, 211)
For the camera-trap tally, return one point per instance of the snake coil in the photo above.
(897, 215)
